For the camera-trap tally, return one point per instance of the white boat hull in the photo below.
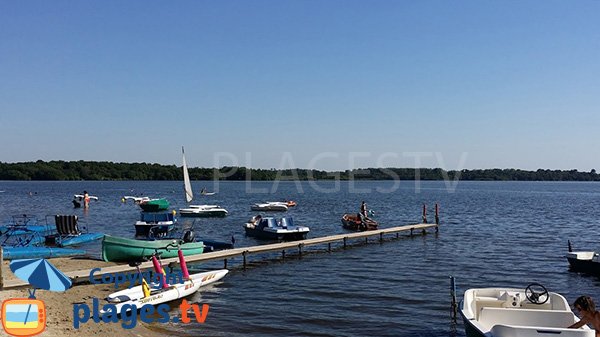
(135, 295)
(505, 312)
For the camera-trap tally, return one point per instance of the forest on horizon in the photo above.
(91, 170)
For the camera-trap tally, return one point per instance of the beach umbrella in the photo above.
(41, 274)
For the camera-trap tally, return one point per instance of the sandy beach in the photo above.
(59, 305)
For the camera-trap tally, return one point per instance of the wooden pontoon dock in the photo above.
(82, 276)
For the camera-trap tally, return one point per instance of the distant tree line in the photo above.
(89, 170)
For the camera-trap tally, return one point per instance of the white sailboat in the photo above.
(197, 210)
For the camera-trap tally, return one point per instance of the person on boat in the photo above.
(86, 199)
(363, 210)
(587, 309)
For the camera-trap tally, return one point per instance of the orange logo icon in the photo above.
(23, 316)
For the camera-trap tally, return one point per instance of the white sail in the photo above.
(187, 186)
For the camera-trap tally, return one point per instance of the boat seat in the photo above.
(67, 225)
(526, 317)
(287, 222)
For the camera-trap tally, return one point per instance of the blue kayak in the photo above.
(79, 239)
(17, 253)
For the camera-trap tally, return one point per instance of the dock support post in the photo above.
(423, 231)
(437, 214)
(345, 238)
(244, 256)
(411, 232)
(381, 237)
(1, 267)
(225, 264)
(453, 296)
(329, 247)
(424, 217)
(366, 239)
(397, 235)
(283, 254)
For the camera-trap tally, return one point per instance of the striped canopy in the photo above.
(40, 274)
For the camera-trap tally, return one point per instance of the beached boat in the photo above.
(154, 225)
(134, 297)
(271, 229)
(357, 223)
(203, 211)
(18, 253)
(196, 210)
(508, 312)
(272, 206)
(119, 249)
(154, 205)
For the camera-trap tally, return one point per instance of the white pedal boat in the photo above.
(135, 295)
(529, 312)
(270, 207)
(203, 211)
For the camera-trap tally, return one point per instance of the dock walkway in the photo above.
(82, 276)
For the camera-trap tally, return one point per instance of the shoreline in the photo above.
(59, 305)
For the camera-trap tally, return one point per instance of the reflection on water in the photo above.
(492, 234)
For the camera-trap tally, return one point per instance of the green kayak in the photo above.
(154, 205)
(117, 249)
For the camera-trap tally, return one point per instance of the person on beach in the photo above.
(587, 309)
(86, 199)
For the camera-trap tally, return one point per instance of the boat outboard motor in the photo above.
(189, 236)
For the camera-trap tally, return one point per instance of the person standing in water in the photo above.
(86, 199)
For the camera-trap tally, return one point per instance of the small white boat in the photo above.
(136, 200)
(529, 312)
(271, 229)
(135, 295)
(203, 211)
(196, 210)
(80, 197)
(271, 206)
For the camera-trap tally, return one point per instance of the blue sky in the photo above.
(313, 84)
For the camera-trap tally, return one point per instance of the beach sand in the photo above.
(59, 305)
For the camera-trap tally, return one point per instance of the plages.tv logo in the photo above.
(24, 317)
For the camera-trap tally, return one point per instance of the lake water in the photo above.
(491, 234)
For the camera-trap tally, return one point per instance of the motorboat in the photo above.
(510, 312)
(205, 211)
(269, 228)
(271, 206)
(356, 222)
(584, 261)
(288, 203)
(154, 225)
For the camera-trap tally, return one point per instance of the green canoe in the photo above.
(155, 205)
(117, 249)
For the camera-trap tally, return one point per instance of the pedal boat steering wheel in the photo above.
(537, 293)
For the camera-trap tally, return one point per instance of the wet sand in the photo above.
(59, 305)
